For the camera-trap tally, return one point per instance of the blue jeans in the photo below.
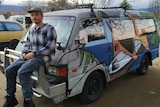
(24, 70)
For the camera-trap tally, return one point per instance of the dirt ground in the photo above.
(130, 90)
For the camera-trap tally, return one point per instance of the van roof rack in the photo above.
(85, 6)
(92, 14)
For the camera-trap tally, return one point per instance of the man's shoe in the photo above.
(10, 101)
(28, 103)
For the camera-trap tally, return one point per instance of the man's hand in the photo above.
(23, 56)
(29, 55)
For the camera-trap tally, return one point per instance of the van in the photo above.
(2, 17)
(25, 20)
(94, 47)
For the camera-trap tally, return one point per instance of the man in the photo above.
(38, 50)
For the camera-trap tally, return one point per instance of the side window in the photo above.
(92, 28)
(19, 19)
(13, 26)
(122, 29)
(1, 27)
(123, 33)
(28, 22)
(145, 26)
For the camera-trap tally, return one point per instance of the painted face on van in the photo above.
(36, 17)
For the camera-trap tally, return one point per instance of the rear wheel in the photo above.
(143, 66)
(13, 44)
(93, 88)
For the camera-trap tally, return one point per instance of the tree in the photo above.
(126, 5)
(105, 3)
(54, 5)
(68, 4)
(154, 6)
(28, 4)
(97, 3)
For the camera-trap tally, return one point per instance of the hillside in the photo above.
(5, 8)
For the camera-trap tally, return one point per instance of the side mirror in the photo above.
(83, 37)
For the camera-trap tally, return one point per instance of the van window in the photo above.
(122, 29)
(63, 27)
(19, 19)
(28, 22)
(93, 28)
(145, 26)
(2, 17)
(123, 33)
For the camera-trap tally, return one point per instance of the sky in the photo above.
(17, 2)
(138, 4)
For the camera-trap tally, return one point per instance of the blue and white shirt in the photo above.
(41, 41)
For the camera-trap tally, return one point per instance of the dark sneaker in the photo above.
(10, 102)
(28, 103)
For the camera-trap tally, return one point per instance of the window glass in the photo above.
(122, 29)
(13, 26)
(1, 27)
(145, 26)
(92, 28)
(20, 20)
(63, 27)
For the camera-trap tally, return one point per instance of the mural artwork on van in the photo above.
(120, 52)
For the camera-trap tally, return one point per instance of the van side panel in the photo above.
(102, 50)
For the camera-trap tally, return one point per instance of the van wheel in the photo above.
(13, 44)
(93, 88)
(143, 66)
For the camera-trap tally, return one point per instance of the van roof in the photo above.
(26, 15)
(79, 12)
(85, 12)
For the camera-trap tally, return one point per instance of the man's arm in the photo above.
(26, 46)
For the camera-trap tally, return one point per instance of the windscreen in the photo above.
(63, 27)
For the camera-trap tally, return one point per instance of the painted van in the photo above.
(94, 46)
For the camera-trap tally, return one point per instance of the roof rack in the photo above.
(85, 6)
(92, 14)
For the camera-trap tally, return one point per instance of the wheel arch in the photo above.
(103, 75)
(13, 43)
(83, 78)
(86, 98)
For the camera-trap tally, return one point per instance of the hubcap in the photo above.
(93, 87)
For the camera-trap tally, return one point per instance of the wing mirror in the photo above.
(83, 37)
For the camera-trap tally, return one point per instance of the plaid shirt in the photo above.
(42, 42)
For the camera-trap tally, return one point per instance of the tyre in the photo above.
(93, 88)
(13, 43)
(143, 65)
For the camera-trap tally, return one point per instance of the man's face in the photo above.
(36, 17)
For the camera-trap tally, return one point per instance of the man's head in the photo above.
(36, 15)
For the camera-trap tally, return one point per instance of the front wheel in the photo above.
(143, 66)
(93, 88)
